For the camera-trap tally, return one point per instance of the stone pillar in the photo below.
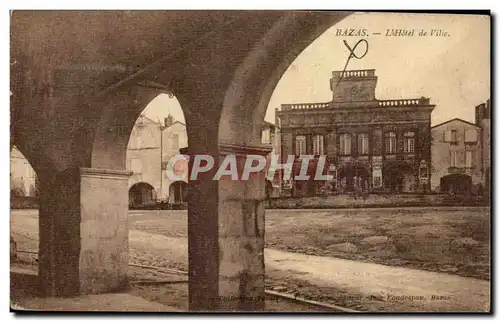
(226, 238)
(241, 235)
(83, 224)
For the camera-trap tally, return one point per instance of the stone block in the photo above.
(230, 218)
(348, 248)
(232, 259)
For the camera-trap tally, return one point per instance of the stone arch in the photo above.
(227, 93)
(24, 181)
(35, 154)
(119, 114)
(141, 194)
(246, 100)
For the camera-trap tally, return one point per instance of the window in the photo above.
(454, 136)
(450, 136)
(409, 142)
(390, 142)
(318, 145)
(345, 144)
(363, 144)
(468, 159)
(453, 159)
(266, 136)
(175, 141)
(470, 136)
(300, 145)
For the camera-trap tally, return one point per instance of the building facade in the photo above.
(369, 144)
(456, 157)
(144, 161)
(151, 145)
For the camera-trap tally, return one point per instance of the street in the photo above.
(366, 259)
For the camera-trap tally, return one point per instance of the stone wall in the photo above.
(21, 202)
(368, 201)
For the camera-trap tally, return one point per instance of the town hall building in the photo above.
(371, 145)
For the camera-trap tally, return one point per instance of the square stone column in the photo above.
(226, 237)
(83, 223)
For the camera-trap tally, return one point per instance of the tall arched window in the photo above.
(345, 144)
(409, 142)
(390, 142)
(363, 146)
(318, 145)
(300, 145)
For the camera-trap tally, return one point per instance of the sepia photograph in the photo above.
(278, 161)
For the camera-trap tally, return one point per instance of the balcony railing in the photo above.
(381, 103)
(405, 102)
(304, 106)
(354, 73)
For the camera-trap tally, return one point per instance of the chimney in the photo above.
(481, 113)
(169, 120)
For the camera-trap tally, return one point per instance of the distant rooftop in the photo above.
(454, 119)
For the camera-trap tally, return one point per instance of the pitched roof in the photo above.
(143, 116)
(455, 119)
(175, 123)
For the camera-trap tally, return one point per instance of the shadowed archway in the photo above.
(457, 183)
(178, 192)
(141, 194)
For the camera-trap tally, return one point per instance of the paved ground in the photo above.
(158, 238)
(100, 303)
(431, 291)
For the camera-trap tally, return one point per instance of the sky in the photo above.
(453, 71)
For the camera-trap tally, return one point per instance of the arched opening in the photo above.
(203, 70)
(353, 178)
(456, 184)
(24, 194)
(141, 194)
(178, 194)
(399, 178)
(158, 135)
(23, 179)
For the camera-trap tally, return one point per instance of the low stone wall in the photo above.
(17, 202)
(370, 201)
(339, 201)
